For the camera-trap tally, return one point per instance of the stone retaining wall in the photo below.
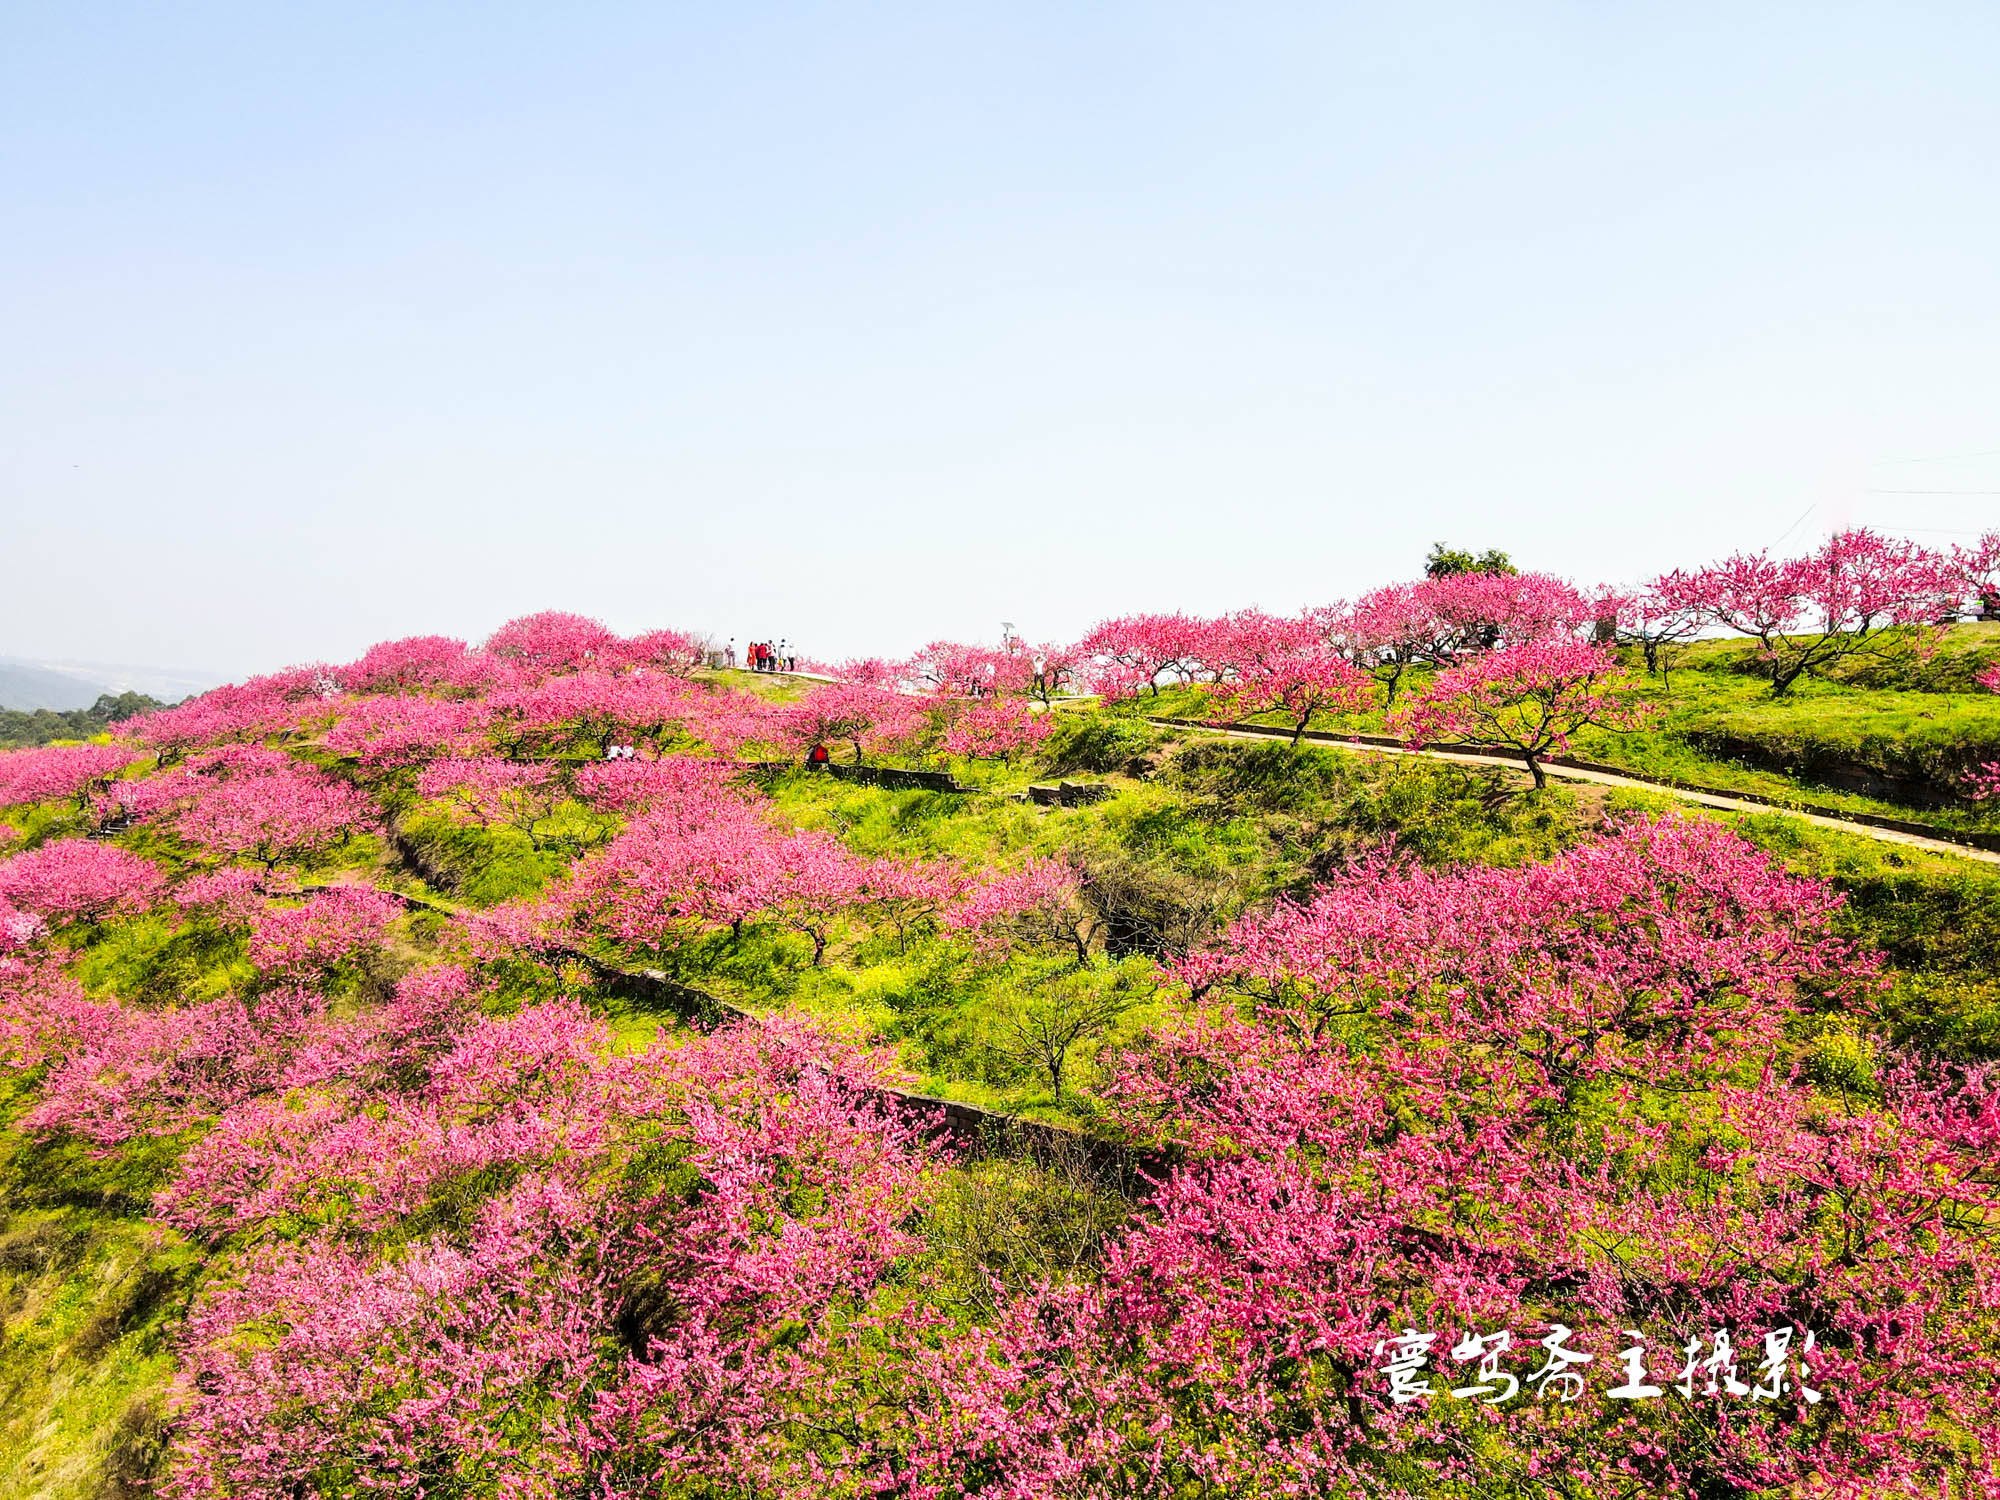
(1069, 794)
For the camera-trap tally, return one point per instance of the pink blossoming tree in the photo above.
(1040, 904)
(1527, 700)
(416, 664)
(524, 796)
(267, 807)
(863, 717)
(1659, 623)
(249, 711)
(486, 1354)
(545, 644)
(996, 729)
(75, 880)
(408, 729)
(1860, 594)
(330, 927)
(1983, 782)
(1298, 683)
(1130, 654)
(59, 772)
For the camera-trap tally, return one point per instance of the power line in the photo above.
(1795, 525)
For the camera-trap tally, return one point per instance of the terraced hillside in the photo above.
(517, 1070)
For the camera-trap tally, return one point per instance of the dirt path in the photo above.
(1719, 800)
(1605, 778)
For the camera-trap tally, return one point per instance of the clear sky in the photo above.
(863, 325)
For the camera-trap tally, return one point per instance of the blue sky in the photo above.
(865, 325)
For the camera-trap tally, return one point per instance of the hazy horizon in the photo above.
(329, 327)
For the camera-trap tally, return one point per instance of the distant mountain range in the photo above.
(78, 684)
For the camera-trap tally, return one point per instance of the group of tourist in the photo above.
(764, 657)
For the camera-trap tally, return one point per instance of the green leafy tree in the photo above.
(42, 726)
(1445, 562)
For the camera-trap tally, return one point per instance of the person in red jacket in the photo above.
(818, 757)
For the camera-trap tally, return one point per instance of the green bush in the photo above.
(1095, 741)
(1264, 775)
(1940, 934)
(1326, 804)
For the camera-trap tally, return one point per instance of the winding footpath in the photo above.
(1722, 801)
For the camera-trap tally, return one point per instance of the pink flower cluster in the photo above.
(693, 862)
(1662, 936)
(1983, 782)
(697, 1198)
(1527, 700)
(264, 805)
(116, 1070)
(1467, 1106)
(1039, 903)
(1852, 596)
(57, 772)
(995, 729)
(388, 730)
(248, 711)
(76, 880)
(851, 713)
(590, 710)
(332, 925)
(485, 789)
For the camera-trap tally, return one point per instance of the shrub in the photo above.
(1094, 742)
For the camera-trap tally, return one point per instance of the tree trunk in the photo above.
(1535, 769)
